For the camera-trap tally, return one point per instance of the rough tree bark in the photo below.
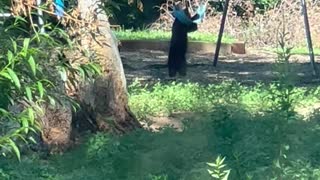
(105, 100)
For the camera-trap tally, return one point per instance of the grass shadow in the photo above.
(249, 142)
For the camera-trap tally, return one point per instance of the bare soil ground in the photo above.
(255, 66)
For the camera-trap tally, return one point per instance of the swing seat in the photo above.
(59, 8)
(183, 18)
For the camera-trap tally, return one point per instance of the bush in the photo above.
(32, 75)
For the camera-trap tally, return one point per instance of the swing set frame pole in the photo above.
(40, 15)
(223, 21)
(308, 36)
(5, 15)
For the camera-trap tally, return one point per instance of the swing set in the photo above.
(182, 17)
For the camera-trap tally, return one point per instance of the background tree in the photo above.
(105, 99)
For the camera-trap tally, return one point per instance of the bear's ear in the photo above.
(178, 5)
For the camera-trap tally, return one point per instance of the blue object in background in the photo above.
(59, 9)
(201, 11)
(183, 18)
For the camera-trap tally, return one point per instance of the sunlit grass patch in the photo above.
(165, 99)
(166, 35)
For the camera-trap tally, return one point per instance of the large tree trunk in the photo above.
(105, 100)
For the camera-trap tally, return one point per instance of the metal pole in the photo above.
(40, 15)
(5, 15)
(308, 36)
(223, 20)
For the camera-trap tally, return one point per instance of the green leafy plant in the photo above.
(218, 169)
(97, 143)
(234, 128)
(158, 177)
(295, 50)
(282, 94)
(283, 97)
(23, 90)
(33, 74)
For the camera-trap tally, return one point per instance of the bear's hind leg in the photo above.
(172, 66)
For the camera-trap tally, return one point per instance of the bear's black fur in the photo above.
(178, 46)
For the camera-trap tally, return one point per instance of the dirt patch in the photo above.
(175, 120)
(156, 123)
(253, 67)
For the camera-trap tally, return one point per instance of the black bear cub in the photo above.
(178, 46)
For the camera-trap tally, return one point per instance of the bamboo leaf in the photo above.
(22, 138)
(215, 176)
(32, 140)
(40, 88)
(14, 78)
(52, 101)
(15, 148)
(211, 164)
(25, 124)
(81, 73)
(96, 68)
(63, 74)
(14, 45)
(29, 93)
(6, 75)
(31, 115)
(226, 175)
(19, 18)
(10, 56)
(26, 43)
(4, 112)
(32, 65)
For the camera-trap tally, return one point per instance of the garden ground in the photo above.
(253, 127)
(255, 66)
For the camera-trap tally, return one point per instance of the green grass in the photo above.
(165, 99)
(298, 50)
(231, 120)
(163, 35)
